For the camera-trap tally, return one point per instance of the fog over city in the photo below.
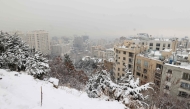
(94, 54)
(97, 18)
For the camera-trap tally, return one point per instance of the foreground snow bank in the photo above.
(23, 92)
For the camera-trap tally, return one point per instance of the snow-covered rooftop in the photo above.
(152, 55)
(111, 49)
(167, 50)
(184, 65)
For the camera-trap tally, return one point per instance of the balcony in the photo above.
(131, 55)
(157, 76)
(131, 61)
(145, 71)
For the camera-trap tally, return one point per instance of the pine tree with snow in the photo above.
(37, 65)
(14, 52)
(15, 55)
(127, 90)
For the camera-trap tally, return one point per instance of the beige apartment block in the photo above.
(148, 66)
(39, 40)
(97, 51)
(176, 80)
(124, 57)
(145, 69)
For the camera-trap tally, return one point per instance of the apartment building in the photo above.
(161, 44)
(109, 53)
(124, 57)
(176, 80)
(60, 49)
(184, 42)
(98, 51)
(149, 65)
(39, 40)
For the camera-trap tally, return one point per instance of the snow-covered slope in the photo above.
(23, 92)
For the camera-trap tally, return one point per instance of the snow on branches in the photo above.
(125, 90)
(17, 56)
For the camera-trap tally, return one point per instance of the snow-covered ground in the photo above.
(24, 92)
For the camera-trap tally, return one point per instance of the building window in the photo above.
(138, 61)
(138, 68)
(186, 76)
(138, 74)
(118, 74)
(168, 79)
(158, 49)
(124, 52)
(130, 54)
(123, 64)
(145, 77)
(123, 69)
(164, 45)
(159, 66)
(158, 44)
(185, 85)
(130, 60)
(145, 64)
(145, 71)
(183, 94)
(169, 71)
(124, 58)
(151, 44)
(129, 66)
(167, 87)
(118, 69)
(122, 74)
(168, 45)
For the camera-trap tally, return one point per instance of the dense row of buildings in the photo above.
(165, 62)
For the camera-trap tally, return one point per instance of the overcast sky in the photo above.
(97, 18)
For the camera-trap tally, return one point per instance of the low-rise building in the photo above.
(109, 53)
(60, 49)
(176, 80)
(124, 57)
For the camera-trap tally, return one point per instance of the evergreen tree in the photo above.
(37, 65)
(15, 55)
(127, 89)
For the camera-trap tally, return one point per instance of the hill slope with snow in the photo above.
(23, 92)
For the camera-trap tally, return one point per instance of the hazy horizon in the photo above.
(98, 18)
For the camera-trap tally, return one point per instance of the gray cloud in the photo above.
(97, 18)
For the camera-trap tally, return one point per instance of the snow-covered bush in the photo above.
(17, 56)
(37, 65)
(127, 90)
